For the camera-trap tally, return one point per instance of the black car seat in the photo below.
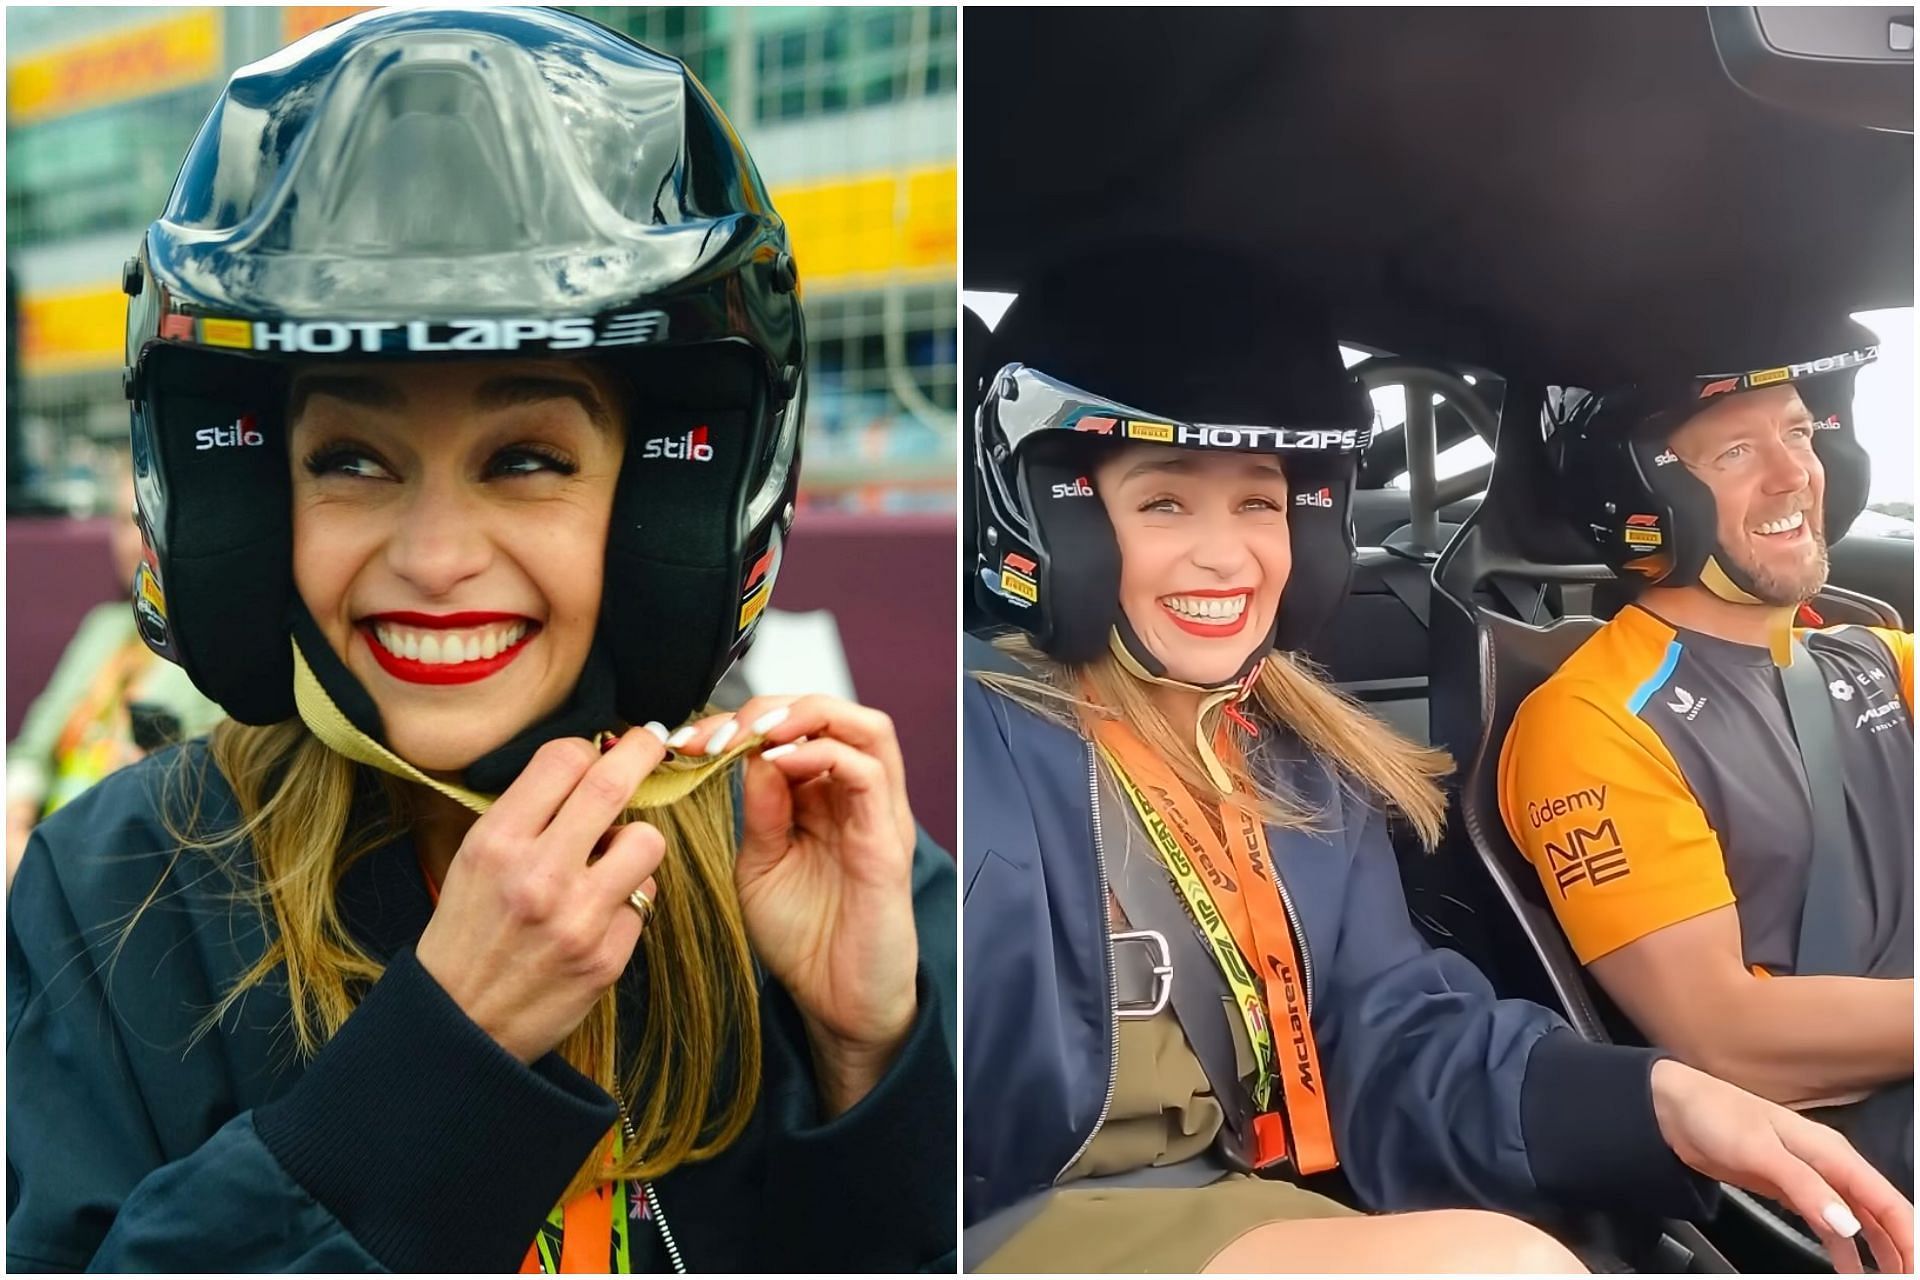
(1481, 893)
(1375, 646)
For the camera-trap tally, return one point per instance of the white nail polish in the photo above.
(1841, 1219)
(770, 719)
(718, 742)
(681, 736)
(657, 729)
(774, 753)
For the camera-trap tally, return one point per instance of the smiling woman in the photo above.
(447, 525)
(436, 956)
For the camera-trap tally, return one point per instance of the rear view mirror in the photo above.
(1849, 64)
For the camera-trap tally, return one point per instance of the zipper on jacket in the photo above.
(1113, 977)
(653, 1203)
(1293, 922)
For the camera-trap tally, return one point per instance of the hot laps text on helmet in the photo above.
(1757, 378)
(332, 337)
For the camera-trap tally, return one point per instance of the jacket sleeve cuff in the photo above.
(436, 1148)
(901, 1135)
(1586, 1117)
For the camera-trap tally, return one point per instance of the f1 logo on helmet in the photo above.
(244, 433)
(1078, 489)
(692, 447)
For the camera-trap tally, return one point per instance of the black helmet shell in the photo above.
(1650, 519)
(446, 184)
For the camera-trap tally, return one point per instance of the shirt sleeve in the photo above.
(1900, 645)
(1600, 808)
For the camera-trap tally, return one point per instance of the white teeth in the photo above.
(1211, 608)
(1787, 525)
(447, 647)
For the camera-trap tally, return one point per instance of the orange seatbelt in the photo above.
(1239, 882)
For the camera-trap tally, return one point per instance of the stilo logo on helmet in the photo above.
(1657, 521)
(692, 447)
(631, 229)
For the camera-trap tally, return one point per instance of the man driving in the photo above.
(1720, 803)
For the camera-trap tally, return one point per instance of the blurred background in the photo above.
(850, 114)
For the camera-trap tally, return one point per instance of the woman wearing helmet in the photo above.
(1189, 958)
(466, 368)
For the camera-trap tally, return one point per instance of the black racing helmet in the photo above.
(1227, 358)
(435, 184)
(1652, 520)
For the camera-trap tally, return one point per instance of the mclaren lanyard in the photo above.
(1228, 886)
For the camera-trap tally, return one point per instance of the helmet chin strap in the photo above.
(318, 711)
(1229, 694)
(1715, 578)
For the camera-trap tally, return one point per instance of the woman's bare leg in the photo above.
(1453, 1240)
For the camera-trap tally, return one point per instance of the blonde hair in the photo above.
(1369, 755)
(692, 1085)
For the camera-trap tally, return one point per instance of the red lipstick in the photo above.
(415, 671)
(1211, 630)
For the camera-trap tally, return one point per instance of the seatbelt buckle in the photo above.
(1269, 1139)
(1137, 946)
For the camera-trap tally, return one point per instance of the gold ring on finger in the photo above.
(640, 902)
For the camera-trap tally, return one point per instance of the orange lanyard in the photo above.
(1236, 875)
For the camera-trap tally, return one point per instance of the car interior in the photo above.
(1496, 202)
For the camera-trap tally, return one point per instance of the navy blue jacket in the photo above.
(1440, 1094)
(411, 1141)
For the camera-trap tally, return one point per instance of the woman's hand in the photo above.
(825, 874)
(1732, 1136)
(531, 928)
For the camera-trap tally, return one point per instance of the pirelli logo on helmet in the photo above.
(1220, 437)
(1716, 385)
(332, 337)
(1017, 578)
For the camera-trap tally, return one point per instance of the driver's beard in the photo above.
(1791, 588)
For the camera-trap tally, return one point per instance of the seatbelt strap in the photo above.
(1241, 904)
(1835, 914)
(1201, 999)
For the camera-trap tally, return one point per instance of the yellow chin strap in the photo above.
(666, 784)
(1779, 622)
(1211, 697)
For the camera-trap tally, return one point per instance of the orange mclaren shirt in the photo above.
(1655, 777)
